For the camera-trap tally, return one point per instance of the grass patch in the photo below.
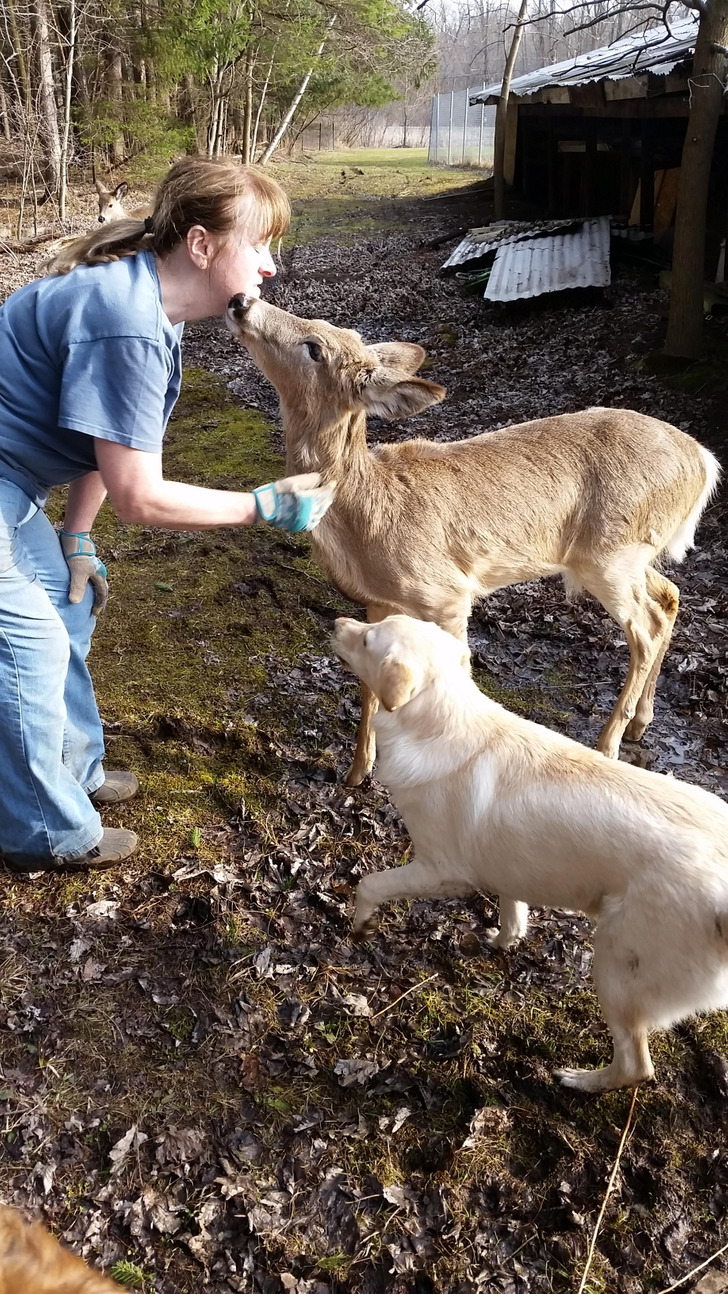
(331, 197)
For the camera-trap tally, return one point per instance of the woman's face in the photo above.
(239, 267)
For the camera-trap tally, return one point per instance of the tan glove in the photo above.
(79, 551)
(295, 503)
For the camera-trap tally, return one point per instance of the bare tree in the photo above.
(291, 111)
(707, 88)
(501, 115)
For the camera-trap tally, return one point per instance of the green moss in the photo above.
(533, 702)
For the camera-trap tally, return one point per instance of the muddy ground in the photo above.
(205, 1085)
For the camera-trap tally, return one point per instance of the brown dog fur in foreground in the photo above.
(33, 1262)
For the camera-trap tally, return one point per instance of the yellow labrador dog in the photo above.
(495, 803)
(33, 1262)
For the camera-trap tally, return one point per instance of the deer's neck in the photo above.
(328, 447)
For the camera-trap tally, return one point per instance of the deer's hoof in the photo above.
(356, 775)
(636, 729)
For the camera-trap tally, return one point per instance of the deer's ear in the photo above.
(101, 187)
(121, 190)
(387, 396)
(396, 683)
(402, 355)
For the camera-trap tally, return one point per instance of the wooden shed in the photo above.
(602, 134)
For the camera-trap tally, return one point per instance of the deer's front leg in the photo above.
(365, 739)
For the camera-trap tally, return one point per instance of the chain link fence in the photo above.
(461, 135)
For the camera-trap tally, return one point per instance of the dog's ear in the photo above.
(396, 684)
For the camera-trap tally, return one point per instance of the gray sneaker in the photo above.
(116, 787)
(115, 845)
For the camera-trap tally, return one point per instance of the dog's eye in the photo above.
(314, 351)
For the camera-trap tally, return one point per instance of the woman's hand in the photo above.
(79, 551)
(295, 503)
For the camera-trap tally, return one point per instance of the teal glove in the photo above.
(295, 503)
(79, 551)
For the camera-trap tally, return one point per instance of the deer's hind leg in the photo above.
(366, 749)
(622, 588)
(666, 594)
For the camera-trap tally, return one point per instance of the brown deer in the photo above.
(110, 207)
(424, 528)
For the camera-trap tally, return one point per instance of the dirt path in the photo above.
(205, 1085)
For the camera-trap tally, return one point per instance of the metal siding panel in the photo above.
(552, 264)
(475, 246)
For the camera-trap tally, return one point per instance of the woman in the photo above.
(89, 373)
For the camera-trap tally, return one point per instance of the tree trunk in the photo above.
(23, 78)
(248, 107)
(501, 114)
(67, 101)
(685, 321)
(261, 104)
(115, 85)
(4, 112)
(289, 115)
(212, 121)
(48, 115)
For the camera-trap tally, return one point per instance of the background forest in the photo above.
(88, 81)
(121, 86)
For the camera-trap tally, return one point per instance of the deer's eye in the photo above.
(365, 642)
(314, 351)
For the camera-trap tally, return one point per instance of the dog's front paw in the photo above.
(496, 938)
(364, 930)
(607, 1079)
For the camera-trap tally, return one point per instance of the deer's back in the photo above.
(509, 505)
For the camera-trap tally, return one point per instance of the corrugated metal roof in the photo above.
(479, 243)
(552, 264)
(653, 51)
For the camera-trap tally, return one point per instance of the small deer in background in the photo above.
(110, 207)
(425, 528)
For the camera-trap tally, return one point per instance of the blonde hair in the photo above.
(218, 193)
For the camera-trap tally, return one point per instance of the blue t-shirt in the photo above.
(85, 354)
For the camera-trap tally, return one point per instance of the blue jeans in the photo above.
(51, 739)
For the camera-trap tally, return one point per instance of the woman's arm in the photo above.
(138, 493)
(85, 496)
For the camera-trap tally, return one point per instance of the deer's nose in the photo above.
(239, 305)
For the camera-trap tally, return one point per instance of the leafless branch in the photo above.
(651, 6)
